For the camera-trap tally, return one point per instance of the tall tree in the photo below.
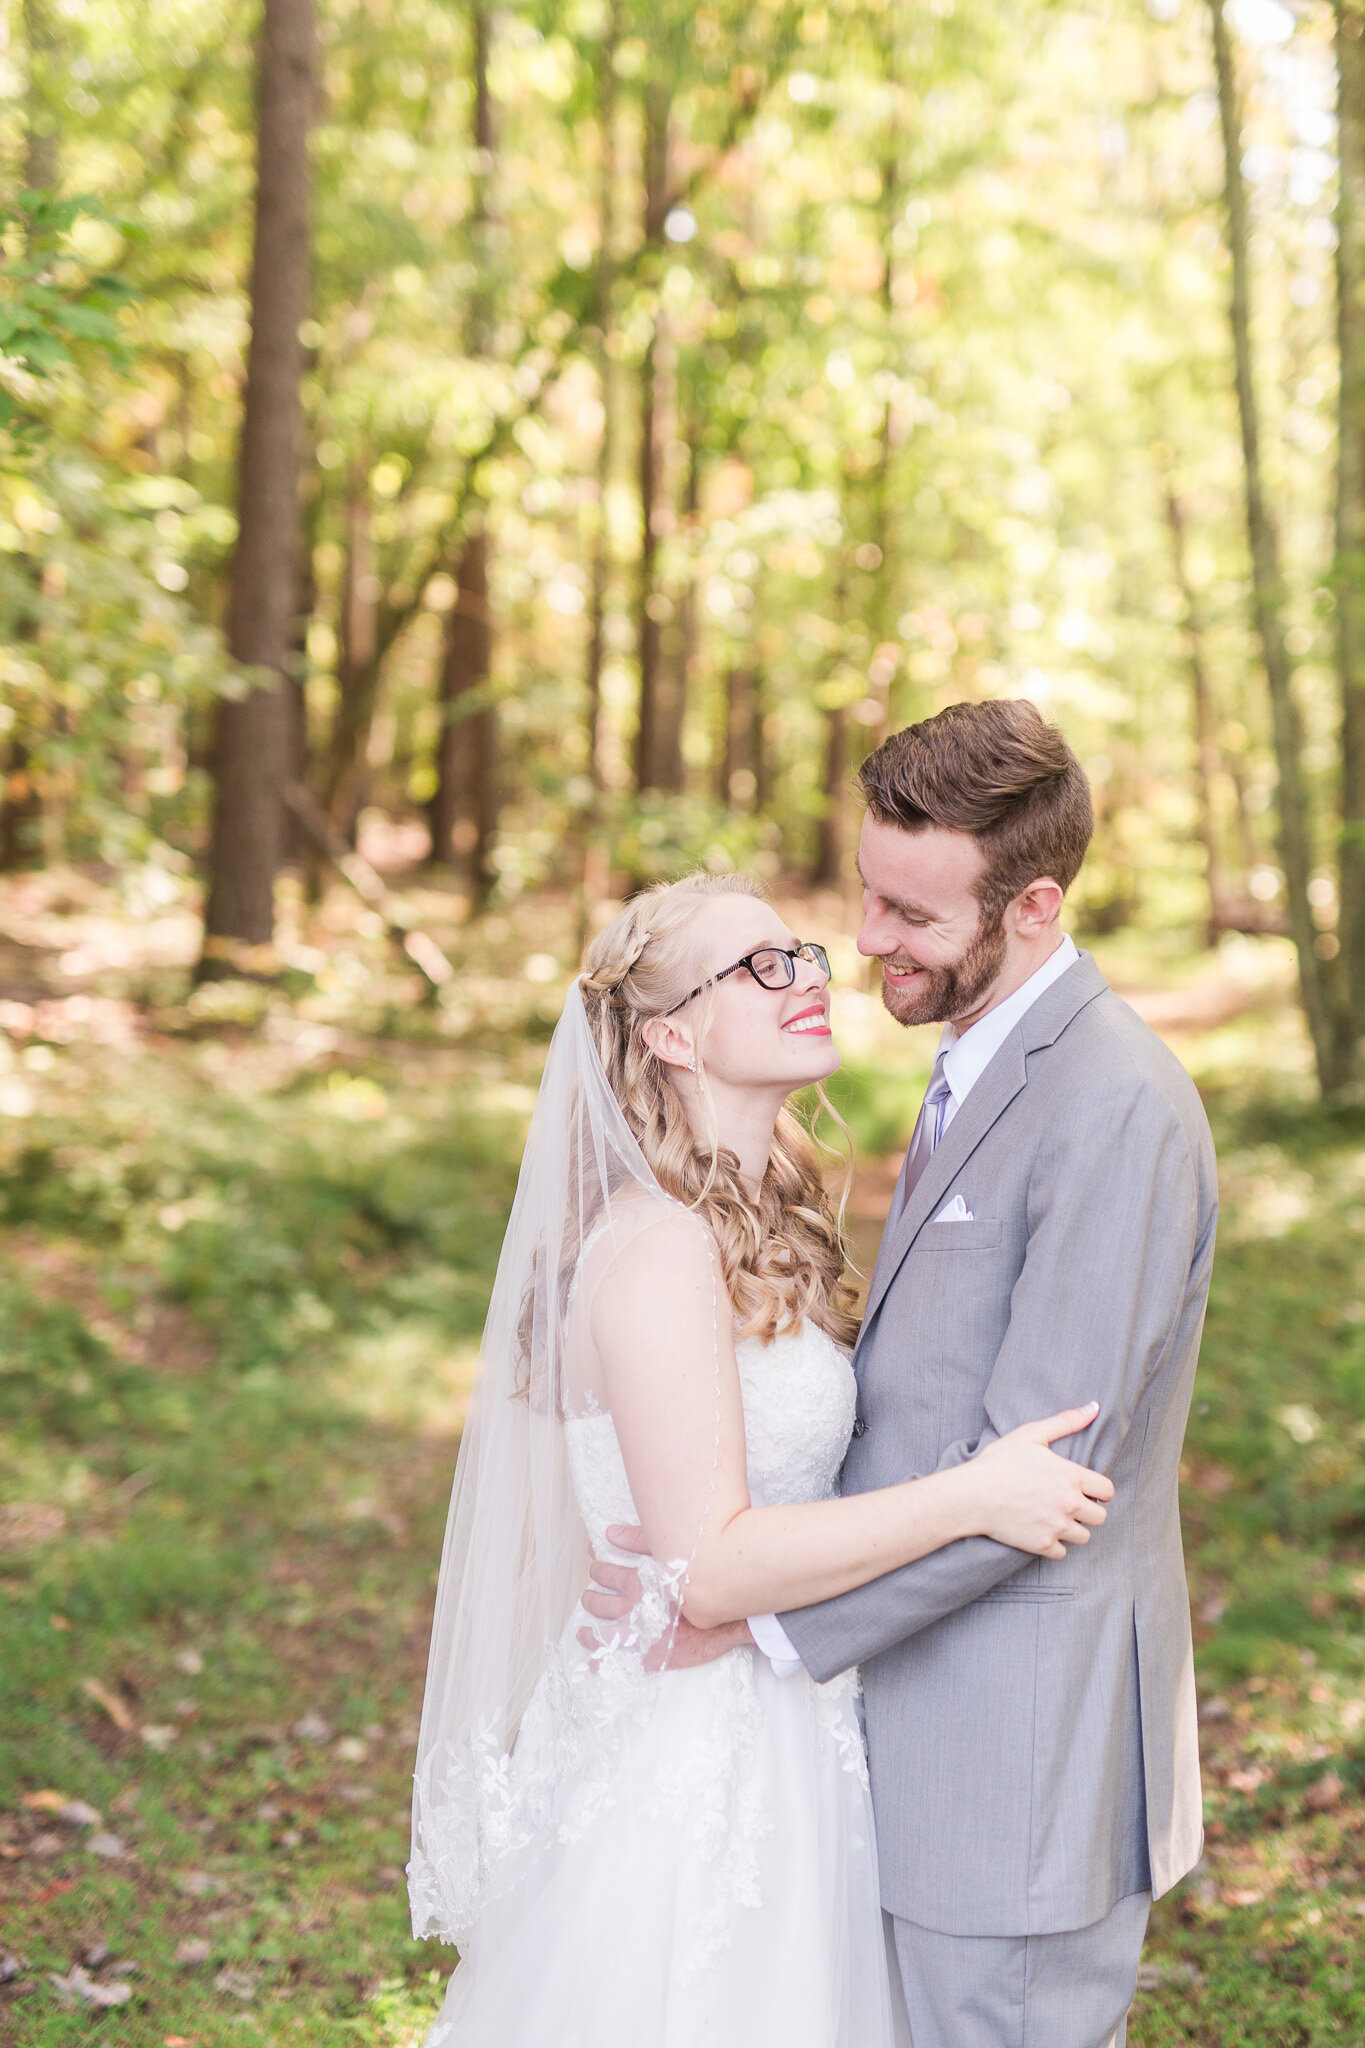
(463, 813)
(21, 804)
(1268, 599)
(40, 119)
(603, 281)
(652, 770)
(1207, 761)
(252, 738)
(1350, 510)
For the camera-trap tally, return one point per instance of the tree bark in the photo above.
(40, 121)
(463, 813)
(827, 871)
(606, 448)
(1207, 761)
(678, 642)
(1267, 589)
(1350, 510)
(21, 806)
(648, 766)
(252, 735)
(358, 666)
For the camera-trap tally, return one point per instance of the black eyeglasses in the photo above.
(770, 966)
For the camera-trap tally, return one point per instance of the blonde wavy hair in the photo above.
(782, 1256)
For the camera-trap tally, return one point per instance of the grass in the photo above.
(243, 1260)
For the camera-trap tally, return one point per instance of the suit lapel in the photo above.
(1002, 1080)
(989, 1099)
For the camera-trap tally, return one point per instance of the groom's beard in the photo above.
(939, 993)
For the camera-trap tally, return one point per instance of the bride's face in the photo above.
(749, 1036)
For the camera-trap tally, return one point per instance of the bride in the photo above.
(628, 1855)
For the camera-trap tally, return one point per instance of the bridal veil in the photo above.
(515, 1710)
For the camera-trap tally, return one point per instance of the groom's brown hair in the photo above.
(999, 771)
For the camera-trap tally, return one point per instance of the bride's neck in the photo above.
(738, 1123)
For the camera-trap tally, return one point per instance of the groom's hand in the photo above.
(616, 1590)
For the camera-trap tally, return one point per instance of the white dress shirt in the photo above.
(966, 1059)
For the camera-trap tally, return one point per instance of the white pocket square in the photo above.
(955, 1211)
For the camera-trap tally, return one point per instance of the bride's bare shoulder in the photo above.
(650, 1241)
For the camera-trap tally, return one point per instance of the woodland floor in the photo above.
(245, 1243)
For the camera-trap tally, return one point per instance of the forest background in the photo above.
(458, 464)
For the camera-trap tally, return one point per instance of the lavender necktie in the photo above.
(928, 1130)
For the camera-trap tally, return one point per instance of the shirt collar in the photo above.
(967, 1055)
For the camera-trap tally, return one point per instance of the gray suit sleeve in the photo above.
(1113, 1225)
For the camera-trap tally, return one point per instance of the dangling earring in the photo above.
(692, 1064)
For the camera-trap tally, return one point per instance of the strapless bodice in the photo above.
(799, 1395)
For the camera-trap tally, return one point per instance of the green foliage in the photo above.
(943, 322)
(55, 309)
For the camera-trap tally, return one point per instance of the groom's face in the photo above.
(922, 919)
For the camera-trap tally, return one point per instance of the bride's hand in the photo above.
(1030, 1498)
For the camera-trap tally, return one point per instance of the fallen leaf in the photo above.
(53, 1890)
(117, 1710)
(237, 1983)
(107, 1846)
(43, 1802)
(1324, 1793)
(98, 1952)
(46, 1845)
(189, 1661)
(351, 1750)
(1232, 1896)
(77, 1814)
(177, 2041)
(10, 1968)
(59, 1622)
(78, 1983)
(159, 1739)
(312, 1728)
(194, 1949)
(197, 1884)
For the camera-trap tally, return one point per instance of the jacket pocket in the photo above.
(982, 1234)
(1031, 1593)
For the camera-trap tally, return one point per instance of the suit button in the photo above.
(860, 1427)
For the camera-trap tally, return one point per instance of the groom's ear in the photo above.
(1036, 907)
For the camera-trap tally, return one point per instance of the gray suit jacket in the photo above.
(1030, 1723)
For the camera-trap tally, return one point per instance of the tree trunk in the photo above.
(648, 767)
(606, 449)
(297, 845)
(357, 667)
(827, 872)
(21, 807)
(463, 813)
(464, 810)
(251, 739)
(678, 644)
(741, 759)
(1207, 760)
(40, 121)
(1350, 523)
(1267, 586)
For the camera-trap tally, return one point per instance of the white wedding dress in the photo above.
(716, 1885)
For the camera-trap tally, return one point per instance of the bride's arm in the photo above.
(662, 1326)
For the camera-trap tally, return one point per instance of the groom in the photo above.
(1030, 1724)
